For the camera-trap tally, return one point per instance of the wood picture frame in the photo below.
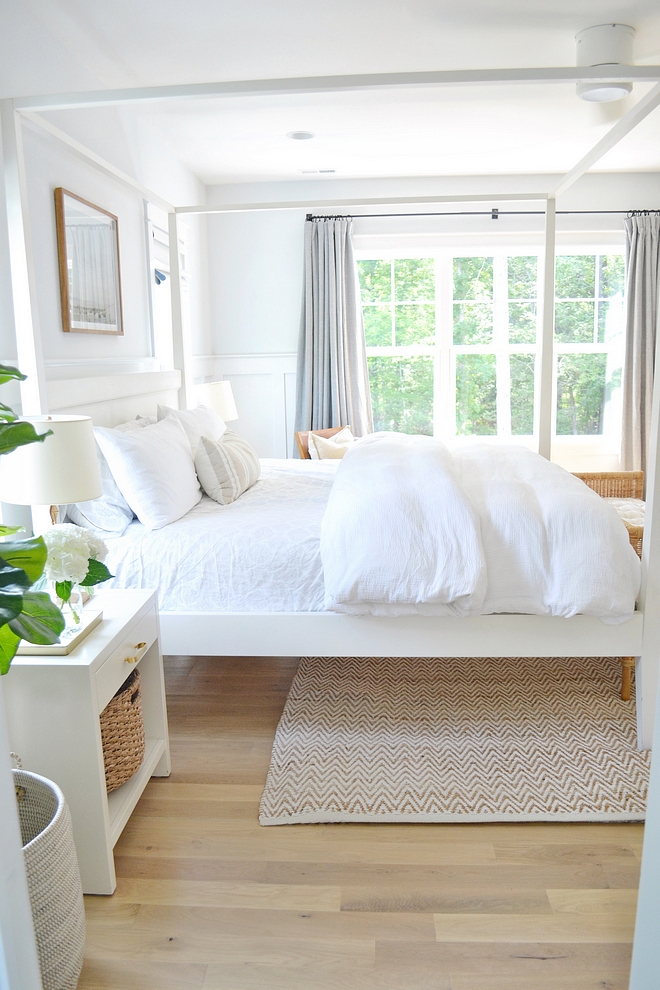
(88, 260)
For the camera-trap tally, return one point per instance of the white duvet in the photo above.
(410, 528)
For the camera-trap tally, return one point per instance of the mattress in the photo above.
(631, 510)
(261, 553)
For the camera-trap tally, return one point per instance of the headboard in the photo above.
(115, 399)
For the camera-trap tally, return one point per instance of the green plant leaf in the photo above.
(13, 435)
(8, 645)
(7, 373)
(30, 555)
(7, 413)
(63, 590)
(96, 574)
(40, 620)
(10, 530)
(14, 582)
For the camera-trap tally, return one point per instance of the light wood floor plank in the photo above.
(438, 898)
(534, 961)
(254, 896)
(229, 840)
(316, 978)
(162, 789)
(590, 927)
(185, 921)
(616, 901)
(229, 950)
(123, 974)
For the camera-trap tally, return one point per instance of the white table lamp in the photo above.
(218, 396)
(63, 468)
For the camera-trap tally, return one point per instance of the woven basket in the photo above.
(122, 733)
(619, 484)
(53, 880)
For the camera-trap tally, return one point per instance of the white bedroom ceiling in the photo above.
(448, 131)
(495, 129)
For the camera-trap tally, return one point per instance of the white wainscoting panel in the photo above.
(264, 387)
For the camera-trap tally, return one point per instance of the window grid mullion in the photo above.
(392, 303)
(501, 344)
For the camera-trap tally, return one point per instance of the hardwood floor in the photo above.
(209, 900)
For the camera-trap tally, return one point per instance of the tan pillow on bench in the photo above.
(325, 448)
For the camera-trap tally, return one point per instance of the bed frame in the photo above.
(327, 634)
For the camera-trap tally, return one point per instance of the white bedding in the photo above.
(258, 554)
(540, 543)
(262, 553)
(400, 534)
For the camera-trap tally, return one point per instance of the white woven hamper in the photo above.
(53, 879)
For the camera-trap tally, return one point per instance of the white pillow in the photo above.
(154, 470)
(326, 448)
(226, 467)
(109, 515)
(199, 422)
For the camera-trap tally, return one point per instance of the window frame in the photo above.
(444, 351)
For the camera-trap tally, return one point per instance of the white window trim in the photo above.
(565, 447)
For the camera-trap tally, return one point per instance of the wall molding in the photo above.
(68, 393)
(264, 387)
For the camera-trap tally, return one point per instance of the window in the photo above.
(452, 342)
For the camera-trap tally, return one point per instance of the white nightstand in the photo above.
(53, 707)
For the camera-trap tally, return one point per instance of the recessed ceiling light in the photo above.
(300, 135)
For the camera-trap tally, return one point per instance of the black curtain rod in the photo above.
(494, 214)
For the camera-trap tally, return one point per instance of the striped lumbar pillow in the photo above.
(226, 467)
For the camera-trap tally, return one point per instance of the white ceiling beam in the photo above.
(347, 83)
(642, 109)
(330, 204)
(80, 151)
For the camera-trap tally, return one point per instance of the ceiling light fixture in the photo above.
(300, 135)
(604, 45)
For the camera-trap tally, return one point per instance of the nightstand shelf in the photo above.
(53, 706)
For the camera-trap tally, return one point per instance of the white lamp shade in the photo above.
(63, 468)
(218, 396)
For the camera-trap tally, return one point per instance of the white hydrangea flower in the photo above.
(69, 550)
(97, 548)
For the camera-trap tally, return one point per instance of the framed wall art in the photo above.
(88, 252)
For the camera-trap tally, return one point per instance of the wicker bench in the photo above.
(621, 484)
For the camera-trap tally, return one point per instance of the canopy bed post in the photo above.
(544, 420)
(181, 347)
(646, 668)
(26, 325)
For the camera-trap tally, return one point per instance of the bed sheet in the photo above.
(261, 553)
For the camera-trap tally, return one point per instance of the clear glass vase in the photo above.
(71, 610)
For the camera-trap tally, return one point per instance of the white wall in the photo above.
(256, 264)
(48, 165)
(33, 61)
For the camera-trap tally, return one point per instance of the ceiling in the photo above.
(434, 131)
(406, 132)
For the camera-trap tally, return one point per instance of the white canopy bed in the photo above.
(241, 633)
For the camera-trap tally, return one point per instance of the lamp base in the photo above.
(69, 639)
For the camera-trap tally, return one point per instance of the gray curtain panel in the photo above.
(642, 288)
(333, 379)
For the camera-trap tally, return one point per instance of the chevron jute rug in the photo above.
(455, 740)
